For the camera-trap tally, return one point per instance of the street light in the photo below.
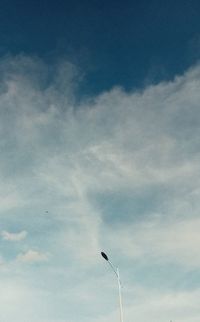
(116, 271)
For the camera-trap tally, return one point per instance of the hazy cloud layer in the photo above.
(118, 172)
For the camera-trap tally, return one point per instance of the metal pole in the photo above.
(120, 297)
(116, 271)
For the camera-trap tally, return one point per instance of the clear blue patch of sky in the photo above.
(128, 43)
(130, 206)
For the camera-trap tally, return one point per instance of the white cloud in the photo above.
(14, 236)
(64, 157)
(170, 242)
(32, 256)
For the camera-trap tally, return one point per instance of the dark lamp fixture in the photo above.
(104, 256)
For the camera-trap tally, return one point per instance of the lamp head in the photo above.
(104, 256)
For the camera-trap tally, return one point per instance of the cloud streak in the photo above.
(14, 236)
(32, 256)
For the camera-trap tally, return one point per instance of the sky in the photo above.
(99, 151)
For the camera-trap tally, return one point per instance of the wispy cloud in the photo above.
(163, 242)
(32, 256)
(14, 236)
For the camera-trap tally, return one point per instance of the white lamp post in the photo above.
(116, 271)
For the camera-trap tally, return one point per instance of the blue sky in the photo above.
(99, 141)
(128, 43)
